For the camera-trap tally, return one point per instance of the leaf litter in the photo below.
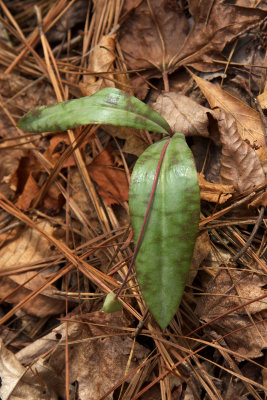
(64, 223)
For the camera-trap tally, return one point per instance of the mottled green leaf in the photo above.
(111, 304)
(164, 257)
(108, 106)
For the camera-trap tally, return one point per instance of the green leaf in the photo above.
(108, 106)
(164, 257)
(111, 304)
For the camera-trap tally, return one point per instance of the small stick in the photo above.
(140, 325)
(250, 239)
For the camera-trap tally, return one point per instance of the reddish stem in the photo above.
(151, 197)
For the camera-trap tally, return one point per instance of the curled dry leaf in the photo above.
(229, 289)
(214, 192)
(241, 166)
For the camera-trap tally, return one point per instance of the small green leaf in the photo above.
(111, 304)
(108, 106)
(164, 256)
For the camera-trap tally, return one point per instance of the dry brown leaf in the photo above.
(228, 290)
(53, 200)
(27, 166)
(99, 363)
(24, 180)
(10, 161)
(215, 24)
(240, 165)
(38, 94)
(139, 37)
(17, 382)
(183, 114)
(214, 192)
(101, 60)
(41, 306)
(30, 191)
(134, 139)
(112, 181)
(248, 120)
(58, 144)
(28, 247)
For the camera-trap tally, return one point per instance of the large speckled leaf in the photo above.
(108, 106)
(164, 257)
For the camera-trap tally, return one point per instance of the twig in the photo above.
(140, 325)
(250, 239)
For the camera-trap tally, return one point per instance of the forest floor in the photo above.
(65, 231)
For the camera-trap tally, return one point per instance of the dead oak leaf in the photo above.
(112, 181)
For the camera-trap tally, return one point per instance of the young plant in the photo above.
(164, 194)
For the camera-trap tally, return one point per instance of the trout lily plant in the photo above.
(164, 194)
